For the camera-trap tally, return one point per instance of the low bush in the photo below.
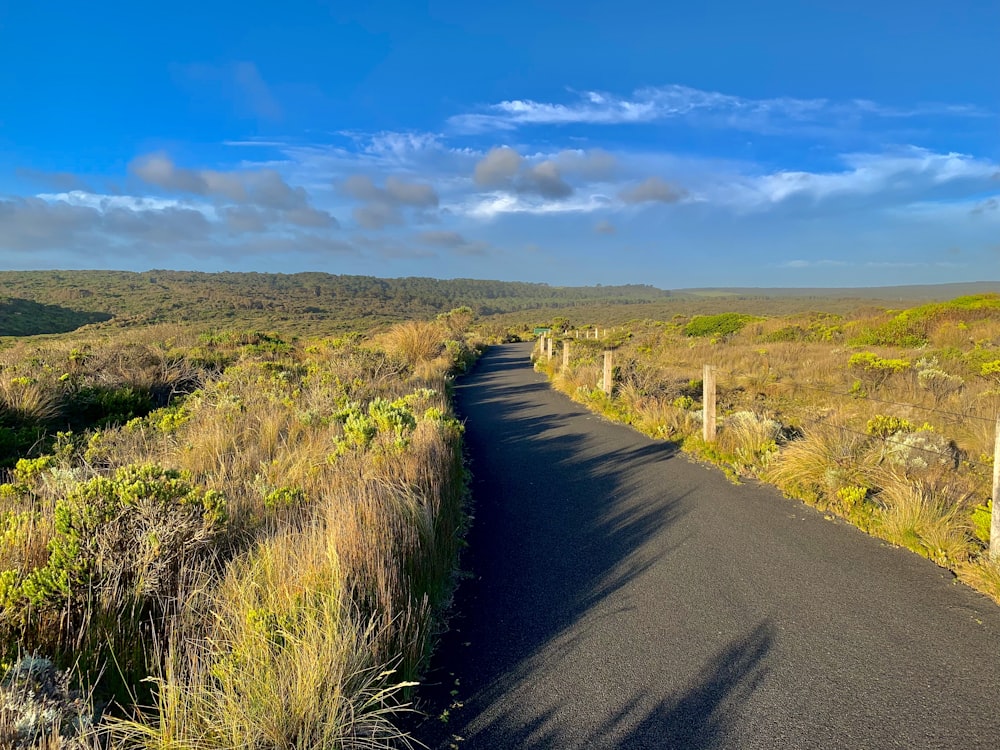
(716, 326)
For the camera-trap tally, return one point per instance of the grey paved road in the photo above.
(622, 596)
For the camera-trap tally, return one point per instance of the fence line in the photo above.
(904, 404)
(709, 417)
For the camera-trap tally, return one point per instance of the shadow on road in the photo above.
(556, 531)
(705, 715)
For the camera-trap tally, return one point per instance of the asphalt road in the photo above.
(622, 596)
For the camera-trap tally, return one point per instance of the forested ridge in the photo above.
(280, 300)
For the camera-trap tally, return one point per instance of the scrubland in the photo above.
(884, 418)
(226, 539)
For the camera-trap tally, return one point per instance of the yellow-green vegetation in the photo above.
(225, 539)
(885, 418)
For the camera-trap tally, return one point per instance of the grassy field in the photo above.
(883, 417)
(231, 505)
(226, 538)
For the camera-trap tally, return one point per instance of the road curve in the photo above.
(621, 596)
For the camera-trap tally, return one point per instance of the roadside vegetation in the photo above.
(225, 538)
(231, 504)
(882, 417)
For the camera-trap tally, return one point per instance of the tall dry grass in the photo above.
(305, 622)
(414, 341)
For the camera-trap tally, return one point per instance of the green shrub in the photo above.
(392, 419)
(852, 496)
(896, 332)
(874, 371)
(129, 531)
(285, 497)
(991, 370)
(883, 426)
(716, 326)
(788, 333)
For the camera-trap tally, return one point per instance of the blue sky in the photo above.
(677, 144)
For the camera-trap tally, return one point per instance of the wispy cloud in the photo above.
(673, 102)
(900, 175)
(488, 206)
(870, 264)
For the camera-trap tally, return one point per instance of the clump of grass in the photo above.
(414, 342)
(749, 440)
(826, 459)
(287, 661)
(924, 516)
(983, 574)
(29, 398)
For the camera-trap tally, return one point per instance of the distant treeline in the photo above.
(280, 299)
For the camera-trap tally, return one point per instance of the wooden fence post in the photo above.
(548, 347)
(565, 354)
(607, 373)
(708, 404)
(595, 333)
(995, 518)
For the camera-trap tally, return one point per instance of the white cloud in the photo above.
(54, 180)
(263, 189)
(896, 176)
(309, 217)
(102, 201)
(492, 205)
(661, 103)
(988, 206)
(506, 169)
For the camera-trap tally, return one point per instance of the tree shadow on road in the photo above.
(563, 519)
(706, 715)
